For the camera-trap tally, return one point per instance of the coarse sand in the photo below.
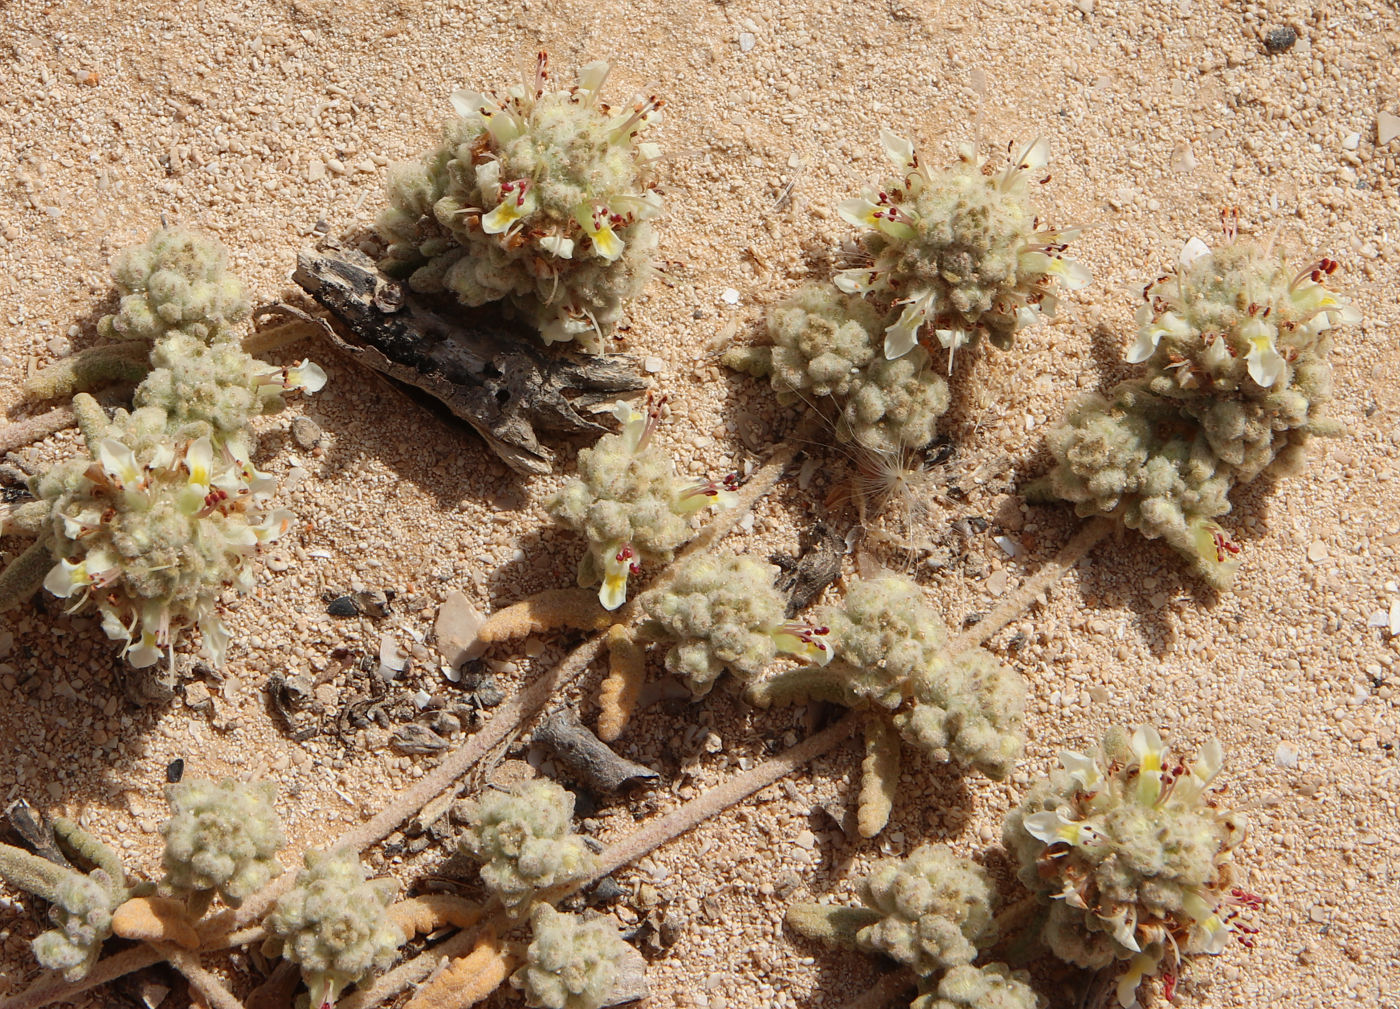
(267, 124)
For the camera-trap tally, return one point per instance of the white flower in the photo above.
(903, 334)
(518, 200)
(1055, 827)
(1081, 768)
(305, 375)
(1147, 747)
(1152, 330)
(804, 642)
(619, 561)
(597, 224)
(119, 463)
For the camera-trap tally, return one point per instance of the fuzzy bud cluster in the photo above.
(82, 918)
(543, 197)
(995, 986)
(629, 503)
(525, 839)
(890, 647)
(222, 837)
(826, 344)
(724, 613)
(334, 923)
(572, 962)
(176, 280)
(935, 908)
(167, 509)
(960, 251)
(1132, 855)
(1235, 347)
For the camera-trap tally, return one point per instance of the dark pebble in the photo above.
(607, 891)
(175, 770)
(343, 606)
(1280, 40)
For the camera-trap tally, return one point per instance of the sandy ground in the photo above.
(256, 121)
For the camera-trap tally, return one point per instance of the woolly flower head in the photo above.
(542, 196)
(222, 836)
(334, 923)
(572, 962)
(629, 503)
(525, 838)
(724, 613)
(1131, 852)
(961, 250)
(936, 909)
(177, 279)
(155, 533)
(1236, 320)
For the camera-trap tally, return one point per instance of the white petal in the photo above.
(558, 245)
(899, 150)
(308, 376)
(1193, 250)
(470, 103)
(591, 77)
(858, 211)
(1083, 769)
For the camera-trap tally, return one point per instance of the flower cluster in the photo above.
(931, 912)
(168, 510)
(178, 279)
(724, 613)
(890, 645)
(571, 962)
(543, 197)
(525, 838)
(935, 909)
(962, 251)
(630, 505)
(1131, 853)
(334, 922)
(826, 344)
(222, 837)
(1235, 347)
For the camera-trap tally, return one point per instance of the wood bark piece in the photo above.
(496, 376)
(586, 755)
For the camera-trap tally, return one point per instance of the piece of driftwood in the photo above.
(587, 756)
(806, 577)
(492, 374)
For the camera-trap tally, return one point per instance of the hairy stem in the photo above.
(1019, 601)
(201, 980)
(32, 429)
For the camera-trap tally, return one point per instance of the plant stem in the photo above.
(1019, 601)
(883, 991)
(51, 988)
(201, 980)
(32, 429)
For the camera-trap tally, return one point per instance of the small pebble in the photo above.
(654, 365)
(1317, 551)
(342, 606)
(306, 432)
(729, 296)
(1280, 40)
(1286, 755)
(1351, 141)
(746, 41)
(1387, 127)
(458, 622)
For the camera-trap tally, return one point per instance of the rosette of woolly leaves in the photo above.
(221, 836)
(1137, 458)
(960, 253)
(724, 613)
(572, 962)
(995, 986)
(334, 923)
(934, 907)
(629, 503)
(1131, 853)
(543, 197)
(176, 279)
(525, 840)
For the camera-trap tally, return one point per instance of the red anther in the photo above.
(732, 481)
(1169, 986)
(634, 568)
(1046, 179)
(1223, 546)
